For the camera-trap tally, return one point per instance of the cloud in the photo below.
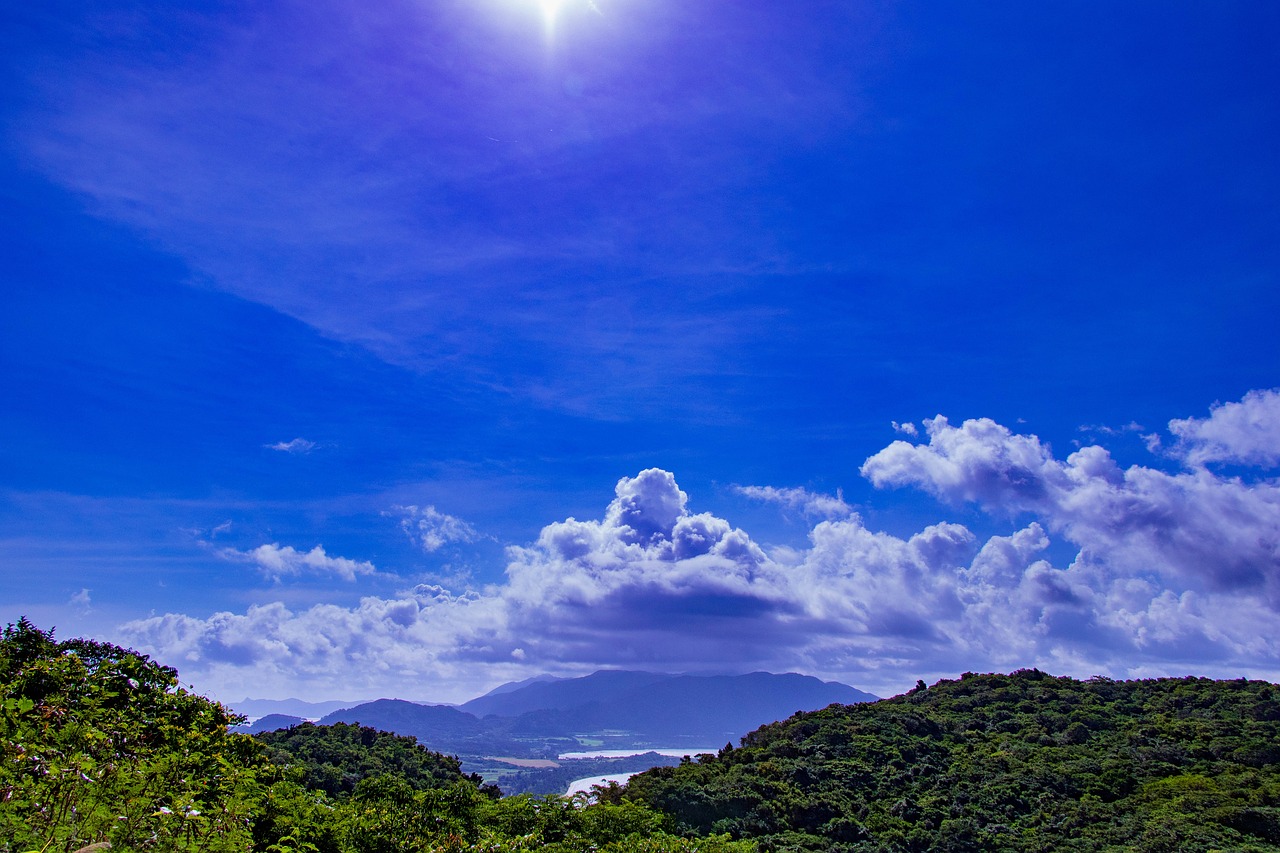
(374, 203)
(1173, 573)
(1104, 429)
(297, 445)
(810, 503)
(1208, 533)
(1246, 433)
(81, 599)
(276, 562)
(430, 529)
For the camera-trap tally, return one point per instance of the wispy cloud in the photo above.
(1174, 573)
(341, 188)
(430, 529)
(276, 562)
(810, 503)
(81, 599)
(297, 445)
(1104, 429)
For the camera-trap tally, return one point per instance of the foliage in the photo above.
(337, 757)
(101, 744)
(1003, 763)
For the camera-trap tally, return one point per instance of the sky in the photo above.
(408, 348)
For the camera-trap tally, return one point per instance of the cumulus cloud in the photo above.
(810, 503)
(1172, 573)
(81, 599)
(1205, 532)
(1247, 433)
(297, 445)
(430, 529)
(277, 561)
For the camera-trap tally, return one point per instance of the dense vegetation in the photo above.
(336, 758)
(99, 743)
(1000, 762)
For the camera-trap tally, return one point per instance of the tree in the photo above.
(99, 743)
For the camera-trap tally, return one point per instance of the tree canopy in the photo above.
(1000, 762)
(100, 744)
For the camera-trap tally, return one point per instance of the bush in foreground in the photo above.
(99, 743)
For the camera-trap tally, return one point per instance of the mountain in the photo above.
(254, 708)
(716, 707)
(616, 708)
(561, 694)
(516, 685)
(269, 723)
(428, 723)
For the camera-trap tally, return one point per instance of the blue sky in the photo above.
(406, 348)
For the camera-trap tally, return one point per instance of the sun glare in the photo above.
(550, 12)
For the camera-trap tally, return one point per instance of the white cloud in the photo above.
(431, 529)
(1172, 574)
(297, 445)
(277, 561)
(81, 599)
(1247, 432)
(1207, 532)
(810, 503)
(1104, 429)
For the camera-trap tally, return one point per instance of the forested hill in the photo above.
(100, 747)
(336, 758)
(1000, 762)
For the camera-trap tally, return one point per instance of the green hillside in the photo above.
(1000, 762)
(99, 745)
(336, 758)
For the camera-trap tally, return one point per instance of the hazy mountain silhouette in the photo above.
(723, 706)
(429, 723)
(634, 708)
(561, 694)
(291, 707)
(516, 685)
(269, 723)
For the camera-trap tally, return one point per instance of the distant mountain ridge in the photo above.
(561, 694)
(622, 708)
(255, 708)
(516, 685)
(437, 722)
(269, 723)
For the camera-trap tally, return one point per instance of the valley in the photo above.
(540, 735)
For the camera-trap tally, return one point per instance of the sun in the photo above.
(549, 10)
(552, 12)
